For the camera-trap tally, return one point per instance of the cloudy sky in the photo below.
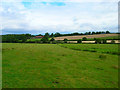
(64, 16)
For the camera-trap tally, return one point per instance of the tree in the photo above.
(84, 39)
(76, 33)
(39, 35)
(28, 36)
(112, 41)
(46, 35)
(104, 41)
(107, 32)
(45, 39)
(51, 35)
(52, 39)
(57, 34)
(86, 33)
(89, 33)
(103, 32)
(94, 38)
(93, 32)
(98, 41)
(65, 40)
(24, 39)
(97, 32)
(79, 41)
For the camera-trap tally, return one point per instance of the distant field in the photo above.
(53, 66)
(107, 36)
(90, 37)
(35, 39)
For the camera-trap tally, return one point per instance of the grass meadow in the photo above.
(101, 48)
(54, 66)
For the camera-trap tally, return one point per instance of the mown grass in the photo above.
(52, 66)
(102, 48)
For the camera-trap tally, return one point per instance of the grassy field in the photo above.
(101, 48)
(33, 39)
(53, 66)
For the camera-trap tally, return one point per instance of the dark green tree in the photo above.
(89, 33)
(79, 41)
(104, 41)
(52, 39)
(65, 40)
(46, 35)
(57, 34)
(94, 39)
(45, 39)
(52, 35)
(98, 41)
(112, 41)
(107, 32)
(24, 39)
(93, 32)
(39, 35)
(84, 39)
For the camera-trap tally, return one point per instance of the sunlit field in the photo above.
(59, 66)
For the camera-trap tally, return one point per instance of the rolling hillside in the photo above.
(87, 36)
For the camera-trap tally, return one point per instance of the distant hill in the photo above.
(87, 36)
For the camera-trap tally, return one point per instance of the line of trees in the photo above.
(22, 38)
(57, 34)
(16, 38)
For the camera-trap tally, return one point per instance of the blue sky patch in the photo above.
(57, 3)
(27, 4)
(44, 3)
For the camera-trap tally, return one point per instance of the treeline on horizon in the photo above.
(57, 34)
(22, 38)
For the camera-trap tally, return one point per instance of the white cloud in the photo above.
(61, 0)
(48, 18)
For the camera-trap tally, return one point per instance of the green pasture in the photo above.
(101, 48)
(53, 66)
(33, 39)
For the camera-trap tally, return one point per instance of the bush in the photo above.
(104, 41)
(52, 39)
(84, 39)
(112, 41)
(98, 41)
(102, 56)
(79, 41)
(65, 40)
(54, 42)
